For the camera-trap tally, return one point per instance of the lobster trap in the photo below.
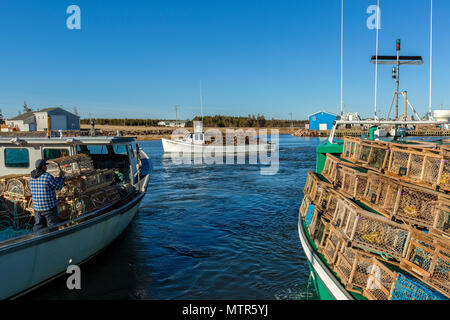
(428, 257)
(315, 187)
(330, 169)
(73, 166)
(441, 224)
(366, 153)
(369, 231)
(373, 155)
(352, 182)
(408, 288)
(351, 149)
(332, 245)
(422, 164)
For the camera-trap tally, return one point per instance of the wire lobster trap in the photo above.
(444, 173)
(352, 182)
(373, 155)
(441, 224)
(73, 166)
(330, 169)
(97, 179)
(332, 245)
(351, 149)
(304, 206)
(417, 206)
(428, 257)
(370, 231)
(315, 187)
(423, 164)
(380, 282)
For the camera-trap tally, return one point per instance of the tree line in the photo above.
(251, 121)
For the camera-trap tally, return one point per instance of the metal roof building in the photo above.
(322, 120)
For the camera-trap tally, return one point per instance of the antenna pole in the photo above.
(397, 79)
(376, 60)
(201, 99)
(342, 56)
(431, 58)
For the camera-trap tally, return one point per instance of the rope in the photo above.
(384, 255)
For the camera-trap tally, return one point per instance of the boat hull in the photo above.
(326, 284)
(29, 264)
(171, 146)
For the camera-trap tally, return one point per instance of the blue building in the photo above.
(322, 120)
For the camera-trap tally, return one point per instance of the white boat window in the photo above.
(201, 136)
(17, 158)
(50, 154)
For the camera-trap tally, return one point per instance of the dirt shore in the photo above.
(156, 133)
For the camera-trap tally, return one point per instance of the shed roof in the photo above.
(24, 116)
(313, 114)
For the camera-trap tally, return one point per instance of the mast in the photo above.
(342, 56)
(431, 59)
(201, 100)
(397, 79)
(376, 58)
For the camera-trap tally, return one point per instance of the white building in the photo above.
(60, 119)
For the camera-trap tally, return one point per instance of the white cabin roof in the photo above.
(68, 140)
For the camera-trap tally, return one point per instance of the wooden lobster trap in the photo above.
(304, 206)
(322, 233)
(370, 231)
(419, 164)
(351, 149)
(97, 179)
(330, 169)
(332, 245)
(373, 155)
(315, 187)
(380, 282)
(364, 274)
(73, 166)
(353, 268)
(428, 257)
(441, 224)
(352, 182)
(444, 173)
(413, 205)
(417, 206)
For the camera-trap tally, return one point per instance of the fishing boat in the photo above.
(374, 222)
(200, 142)
(106, 180)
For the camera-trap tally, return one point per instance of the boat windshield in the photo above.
(109, 157)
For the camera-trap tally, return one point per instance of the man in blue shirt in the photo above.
(43, 190)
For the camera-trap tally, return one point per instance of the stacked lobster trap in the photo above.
(86, 189)
(379, 214)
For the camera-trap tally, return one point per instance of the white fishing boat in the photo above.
(204, 143)
(32, 259)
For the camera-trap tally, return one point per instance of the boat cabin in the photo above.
(18, 155)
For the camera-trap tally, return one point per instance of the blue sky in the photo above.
(138, 59)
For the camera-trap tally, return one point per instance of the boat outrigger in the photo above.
(106, 179)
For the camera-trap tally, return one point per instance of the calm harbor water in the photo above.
(207, 232)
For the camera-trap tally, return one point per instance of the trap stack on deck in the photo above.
(380, 216)
(85, 189)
